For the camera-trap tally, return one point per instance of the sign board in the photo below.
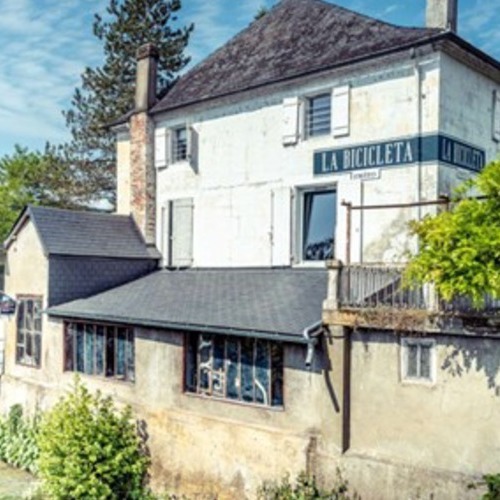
(366, 175)
(397, 152)
(7, 304)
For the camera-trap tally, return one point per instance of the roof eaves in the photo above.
(182, 327)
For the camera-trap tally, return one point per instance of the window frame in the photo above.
(21, 306)
(176, 158)
(299, 223)
(196, 391)
(419, 342)
(308, 115)
(72, 364)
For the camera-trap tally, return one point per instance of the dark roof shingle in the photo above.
(273, 302)
(92, 234)
(296, 37)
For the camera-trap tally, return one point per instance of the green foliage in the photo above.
(107, 92)
(89, 449)
(492, 482)
(304, 488)
(460, 248)
(263, 10)
(18, 446)
(32, 177)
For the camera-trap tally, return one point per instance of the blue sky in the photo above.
(47, 43)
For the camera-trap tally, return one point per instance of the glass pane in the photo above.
(277, 374)
(29, 315)
(205, 352)
(180, 144)
(110, 352)
(28, 346)
(99, 350)
(19, 354)
(89, 349)
(412, 353)
(20, 315)
(191, 355)
(68, 347)
(232, 369)
(130, 356)
(319, 224)
(37, 315)
(218, 376)
(247, 353)
(262, 363)
(425, 361)
(79, 348)
(121, 352)
(318, 115)
(37, 348)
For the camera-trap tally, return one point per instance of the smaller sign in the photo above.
(7, 304)
(366, 175)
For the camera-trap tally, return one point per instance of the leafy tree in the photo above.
(33, 177)
(89, 449)
(460, 248)
(107, 91)
(263, 10)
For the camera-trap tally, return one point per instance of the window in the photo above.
(418, 359)
(319, 214)
(240, 369)
(179, 144)
(96, 349)
(29, 331)
(318, 115)
(178, 229)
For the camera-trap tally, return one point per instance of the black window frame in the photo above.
(234, 374)
(100, 350)
(29, 330)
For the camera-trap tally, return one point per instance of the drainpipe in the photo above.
(310, 334)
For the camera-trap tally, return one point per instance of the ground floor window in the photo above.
(318, 219)
(418, 359)
(241, 369)
(29, 331)
(96, 349)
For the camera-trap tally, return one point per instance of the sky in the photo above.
(46, 44)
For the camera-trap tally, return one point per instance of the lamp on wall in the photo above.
(7, 304)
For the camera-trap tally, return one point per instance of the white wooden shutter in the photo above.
(192, 147)
(281, 220)
(340, 111)
(181, 232)
(162, 147)
(496, 115)
(291, 106)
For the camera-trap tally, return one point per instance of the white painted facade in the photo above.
(247, 177)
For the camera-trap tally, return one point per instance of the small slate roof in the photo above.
(89, 234)
(271, 303)
(296, 37)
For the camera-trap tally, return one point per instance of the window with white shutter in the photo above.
(192, 148)
(178, 221)
(340, 111)
(291, 106)
(496, 115)
(162, 147)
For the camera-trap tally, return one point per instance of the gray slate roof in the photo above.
(263, 302)
(71, 232)
(294, 38)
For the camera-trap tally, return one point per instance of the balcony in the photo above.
(375, 296)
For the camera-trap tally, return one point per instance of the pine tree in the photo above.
(107, 92)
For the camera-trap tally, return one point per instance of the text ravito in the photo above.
(399, 152)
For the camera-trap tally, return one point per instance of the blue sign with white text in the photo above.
(398, 152)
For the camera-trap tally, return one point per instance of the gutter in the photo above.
(310, 335)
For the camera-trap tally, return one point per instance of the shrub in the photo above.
(18, 446)
(89, 449)
(492, 482)
(304, 488)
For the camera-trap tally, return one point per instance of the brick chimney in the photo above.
(442, 14)
(142, 170)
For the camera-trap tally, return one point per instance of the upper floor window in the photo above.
(96, 349)
(418, 359)
(179, 144)
(319, 215)
(29, 331)
(318, 120)
(249, 370)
